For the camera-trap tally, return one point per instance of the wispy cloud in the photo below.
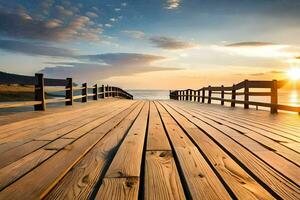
(272, 72)
(104, 66)
(172, 4)
(35, 49)
(170, 43)
(250, 44)
(135, 34)
(162, 42)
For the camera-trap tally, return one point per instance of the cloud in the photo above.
(162, 42)
(172, 4)
(21, 26)
(91, 14)
(63, 12)
(135, 34)
(273, 72)
(170, 43)
(34, 49)
(250, 44)
(104, 66)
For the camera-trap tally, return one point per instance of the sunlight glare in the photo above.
(294, 74)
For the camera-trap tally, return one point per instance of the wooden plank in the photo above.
(93, 124)
(82, 178)
(15, 170)
(19, 104)
(15, 154)
(120, 170)
(32, 122)
(256, 126)
(201, 180)
(275, 144)
(22, 150)
(271, 178)
(239, 181)
(284, 166)
(157, 138)
(58, 144)
(277, 122)
(35, 184)
(119, 188)
(131, 150)
(161, 177)
(11, 142)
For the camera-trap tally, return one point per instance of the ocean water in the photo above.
(150, 94)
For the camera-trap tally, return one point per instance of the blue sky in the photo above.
(158, 44)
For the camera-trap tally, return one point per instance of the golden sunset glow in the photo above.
(294, 74)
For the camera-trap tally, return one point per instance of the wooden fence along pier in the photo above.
(240, 89)
(122, 148)
(43, 85)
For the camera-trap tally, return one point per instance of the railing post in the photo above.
(102, 89)
(95, 91)
(39, 90)
(190, 93)
(233, 96)
(209, 95)
(222, 95)
(84, 93)
(203, 95)
(106, 91)
(69, 91)
(195, 94)
(198, 94)
(274, 97)
(246, 94)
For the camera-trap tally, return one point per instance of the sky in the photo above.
(157, 44)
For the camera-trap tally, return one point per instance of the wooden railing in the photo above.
(204, 93)
(42, 86)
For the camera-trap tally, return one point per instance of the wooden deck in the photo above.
(130, 149)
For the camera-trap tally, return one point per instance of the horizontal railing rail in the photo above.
(206, 93)
(42, 86)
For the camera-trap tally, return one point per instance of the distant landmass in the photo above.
(15, 87)
(8, 78)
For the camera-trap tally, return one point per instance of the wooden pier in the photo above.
(133, 149)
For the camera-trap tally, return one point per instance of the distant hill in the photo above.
(8, 78)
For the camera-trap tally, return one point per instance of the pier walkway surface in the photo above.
(135, 149)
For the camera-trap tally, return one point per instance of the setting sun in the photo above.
(294, 74)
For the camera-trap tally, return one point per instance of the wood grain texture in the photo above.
(201, 180)
(17, 153)
(162, 180)
(18, 168)
(81, 179)
(36, 185)
(119, 189)
(275, 181)
(240, 182)
(157, 138)
(131, 150)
